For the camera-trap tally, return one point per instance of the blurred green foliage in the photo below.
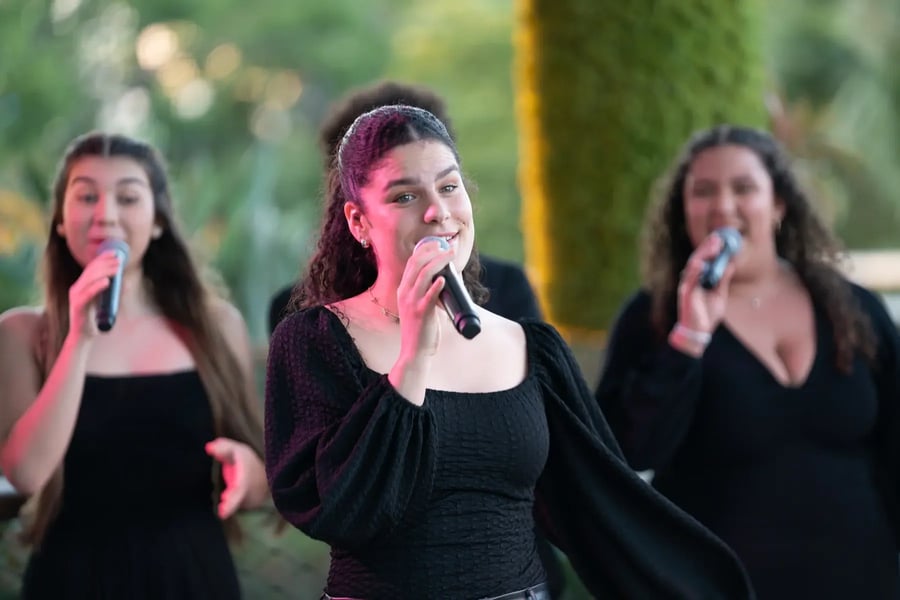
(233, 97)
(232, 94)
(609, 93)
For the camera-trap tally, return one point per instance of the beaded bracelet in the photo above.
(701, 338)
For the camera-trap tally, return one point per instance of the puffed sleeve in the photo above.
(348, 459)
(623, 538)
(648, 390)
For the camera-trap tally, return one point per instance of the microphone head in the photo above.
(430, 238)
(731, 239)
(114, 244)
(108, 301)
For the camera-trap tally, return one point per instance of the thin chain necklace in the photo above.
(392, 316)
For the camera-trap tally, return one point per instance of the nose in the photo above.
(723, 202)
(437, 211)
(106, 209)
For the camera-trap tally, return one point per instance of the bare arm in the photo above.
(37, 420)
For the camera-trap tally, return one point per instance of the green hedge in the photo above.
(607, 93)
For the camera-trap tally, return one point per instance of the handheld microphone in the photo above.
(715, 268)
(108, 302)
(455, 297)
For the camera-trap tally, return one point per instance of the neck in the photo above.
(383, 295)
(135, 299)
(759, 283)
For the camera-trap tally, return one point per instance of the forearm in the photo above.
(38, 440)
(408, 378)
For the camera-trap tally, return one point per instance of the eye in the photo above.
(703, 191)
(128, 199)
(86, 197)
(404, 198)
(450, 187)
(744, 187)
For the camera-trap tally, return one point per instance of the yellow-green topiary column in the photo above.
(607, 91)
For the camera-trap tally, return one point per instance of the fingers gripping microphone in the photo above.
(715, 268)
(455, 298)
(108, 302)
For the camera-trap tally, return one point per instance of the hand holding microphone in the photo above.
(714, 269)
(455, 297)
(703, 290)
(108, 301)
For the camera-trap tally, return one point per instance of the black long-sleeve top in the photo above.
(437, 501)
(797, 480)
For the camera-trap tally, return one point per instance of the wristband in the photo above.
(701, 338)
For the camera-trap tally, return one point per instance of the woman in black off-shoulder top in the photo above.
(424, 458)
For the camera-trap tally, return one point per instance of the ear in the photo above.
(780, 211)
(356, 221)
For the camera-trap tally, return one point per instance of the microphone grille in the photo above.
(731, 237)
(114, 244)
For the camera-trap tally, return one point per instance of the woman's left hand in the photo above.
(244, 475)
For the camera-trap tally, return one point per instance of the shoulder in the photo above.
(228, 319)
(310, 320)
(227, 315)
(313, 338)
(867, 299)
(874, 306)
(20, 331)
(544, 343)
(315, 328)
(21, 324)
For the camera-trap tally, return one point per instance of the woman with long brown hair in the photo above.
(129, 441)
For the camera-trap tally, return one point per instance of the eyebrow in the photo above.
(413, 180)
(123, 181)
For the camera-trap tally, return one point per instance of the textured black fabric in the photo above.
(436, 501)
(137, 518)
(787, 476)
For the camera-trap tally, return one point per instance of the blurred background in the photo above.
(232, 93)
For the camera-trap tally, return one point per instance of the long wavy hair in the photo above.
(341, 268)
(177, 290)
(802, 240)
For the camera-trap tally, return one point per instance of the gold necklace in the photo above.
(393, 316)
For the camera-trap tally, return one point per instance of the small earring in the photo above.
(364, 243)
(60, 230)
(157, 232)
(778, 226)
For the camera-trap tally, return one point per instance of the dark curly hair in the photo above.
(802, 240)
(341, 268)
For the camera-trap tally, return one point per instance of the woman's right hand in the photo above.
(417, 299)
(699, 309)
(93, 279)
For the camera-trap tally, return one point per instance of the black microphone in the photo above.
(108, 302)
(715, 268)
(455, 297)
